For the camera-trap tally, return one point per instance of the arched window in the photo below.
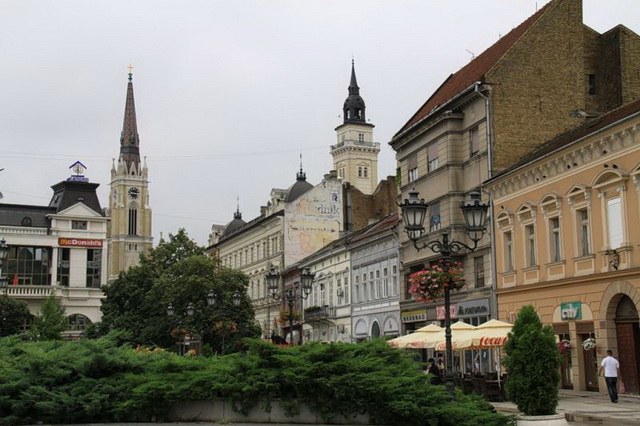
(133, 221)
(77, 322)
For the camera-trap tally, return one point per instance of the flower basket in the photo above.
(564, 346)
(589, 344)
(429, 284)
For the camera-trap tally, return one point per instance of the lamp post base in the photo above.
(450, 386)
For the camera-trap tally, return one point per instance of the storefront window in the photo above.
(28, 265)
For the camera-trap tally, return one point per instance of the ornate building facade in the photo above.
(567, 242)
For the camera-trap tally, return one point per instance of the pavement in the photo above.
(590, 408)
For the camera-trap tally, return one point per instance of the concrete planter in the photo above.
(551, 420)
(222, 411)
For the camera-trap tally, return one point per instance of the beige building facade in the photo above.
(550, 69)
(566, 219)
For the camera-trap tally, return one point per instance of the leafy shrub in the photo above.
(97, 381)
(533, 363)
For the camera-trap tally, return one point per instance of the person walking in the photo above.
(433, 369)
(611, 369)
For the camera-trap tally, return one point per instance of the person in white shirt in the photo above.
(611, 369)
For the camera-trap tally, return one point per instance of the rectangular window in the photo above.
(347, 289)
(478, 267)
(412, 166)
(583, 232)
(94, 267)
(434, 217)
(531, 245)
(614, 222)
(432, 156)
(508, 251)
(554, 243)
(64, 255)
(360, 137)
(27, 266)
(474, 141)
(78, 224)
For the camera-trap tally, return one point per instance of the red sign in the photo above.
(492, 341)
(79, 242)
(453, 311)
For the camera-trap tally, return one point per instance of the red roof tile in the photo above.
(474, 70)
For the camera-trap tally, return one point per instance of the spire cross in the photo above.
(130, 67)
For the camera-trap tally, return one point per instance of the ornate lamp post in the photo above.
(414, 211)
(212, 299)
(4, 251)
(299, 291)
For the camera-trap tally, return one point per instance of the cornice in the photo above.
(565, 161)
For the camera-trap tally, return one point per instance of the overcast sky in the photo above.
(228, 94)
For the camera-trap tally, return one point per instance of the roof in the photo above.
(299, 187)
(234, 225)
(14, 214)
(69, 192)
(567, 138)
(475, 70)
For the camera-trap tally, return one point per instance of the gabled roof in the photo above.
(475, 70)
(567, 138)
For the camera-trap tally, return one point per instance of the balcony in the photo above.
(356, 143)
(319, 313)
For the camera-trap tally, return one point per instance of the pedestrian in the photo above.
(436, 377)
(610, 368)
(441, 365)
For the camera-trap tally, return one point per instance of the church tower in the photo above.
(130, 227)
(355, 156)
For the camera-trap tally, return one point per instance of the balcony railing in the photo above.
(43, 291)
(319, 313)
(352, 142)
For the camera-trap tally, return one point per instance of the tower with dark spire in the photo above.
(355, 156)
(130, 227)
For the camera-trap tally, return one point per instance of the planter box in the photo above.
(222, 411)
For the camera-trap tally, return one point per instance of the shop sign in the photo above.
(571, 311)
(473, 308)
(79, 242)
(440, 312)
(414, 316)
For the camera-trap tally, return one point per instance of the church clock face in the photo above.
(134, 192)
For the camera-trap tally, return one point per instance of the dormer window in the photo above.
(26, 221)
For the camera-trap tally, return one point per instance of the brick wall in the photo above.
(538, 83)
(361, 208)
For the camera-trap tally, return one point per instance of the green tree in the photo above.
(178, 273)
(51, 322)
(13, 315)
(533, 363)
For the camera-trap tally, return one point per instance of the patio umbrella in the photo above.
(414, 338)
(458, 331)
(491, 334)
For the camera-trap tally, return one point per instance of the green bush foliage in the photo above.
(97, 381)
(533, 365)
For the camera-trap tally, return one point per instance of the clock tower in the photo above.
(355, 155)
(130, 228)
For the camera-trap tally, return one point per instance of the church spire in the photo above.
(354, 108)
(129, 139)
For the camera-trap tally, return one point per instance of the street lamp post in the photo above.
(4, 251)
(298, 292)
(414, 211)
(212, 299)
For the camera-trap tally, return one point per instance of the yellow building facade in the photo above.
(567, 241)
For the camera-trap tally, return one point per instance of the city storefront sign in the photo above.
(440, 312)
(571, 311)
(473, 308)
(79, 242)
(414, 315)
